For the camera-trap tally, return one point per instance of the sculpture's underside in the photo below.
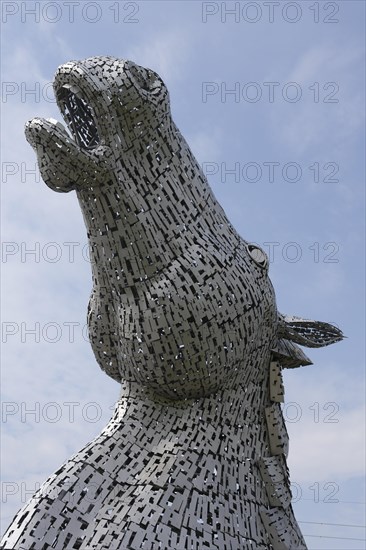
(183, 314)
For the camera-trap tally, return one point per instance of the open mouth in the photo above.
(79, 117)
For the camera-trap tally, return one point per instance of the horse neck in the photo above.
(229, 426)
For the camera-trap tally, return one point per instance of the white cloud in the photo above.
(23, 64)
(206, 146)
(324, 73)
(326, 422)
(325, 451)
(324, 60)
(167, 53)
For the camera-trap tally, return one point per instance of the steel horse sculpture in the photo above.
(183, 315)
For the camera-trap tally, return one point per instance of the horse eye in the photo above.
(257, 255)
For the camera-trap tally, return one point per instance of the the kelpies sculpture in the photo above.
(183, 315)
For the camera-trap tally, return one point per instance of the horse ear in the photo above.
(312, 334)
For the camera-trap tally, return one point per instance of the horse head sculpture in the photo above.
(183, 314)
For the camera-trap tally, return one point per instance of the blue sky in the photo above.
(296, 108)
